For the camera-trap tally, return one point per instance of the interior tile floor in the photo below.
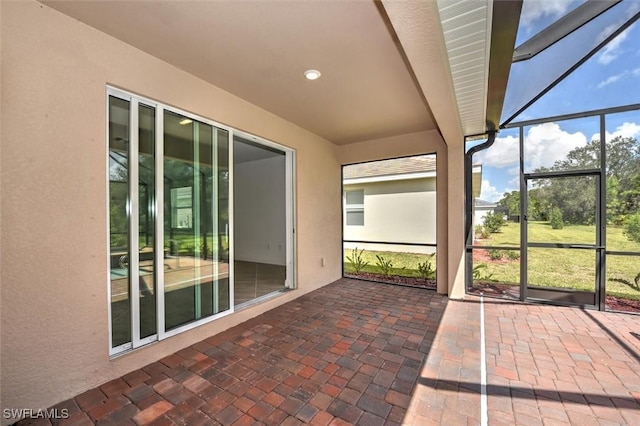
(366, 353)
(253, 280)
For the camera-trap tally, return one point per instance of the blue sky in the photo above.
(610, 78)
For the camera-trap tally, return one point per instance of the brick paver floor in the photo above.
(357, 352)
(557, 365)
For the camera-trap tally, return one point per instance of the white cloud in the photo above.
(625, 130)
(488, 192)
(546, 143)
(503, 153)
(513, 183)
(628, 130)
(610, 80)
(615, 78)
(534, 10)
(613, 49)
(543, 145)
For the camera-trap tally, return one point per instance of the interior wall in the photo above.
(414, 144)
(54, 266)
(260, 211)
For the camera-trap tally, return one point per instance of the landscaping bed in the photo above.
(394, 279)
(613, 303)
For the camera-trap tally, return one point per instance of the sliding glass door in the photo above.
(196, 280)
(168, 221)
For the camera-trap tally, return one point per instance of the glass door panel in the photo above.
(146, 219)
(195, 267)
(119, 221)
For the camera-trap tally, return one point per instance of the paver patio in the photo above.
(358, 352)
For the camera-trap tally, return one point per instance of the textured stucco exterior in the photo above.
(54, 182)
(53, 266)
(402, 210)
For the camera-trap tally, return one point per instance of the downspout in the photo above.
(468, 204)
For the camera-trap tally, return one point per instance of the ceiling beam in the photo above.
(504, 29)
(419, 31)
(562, 28)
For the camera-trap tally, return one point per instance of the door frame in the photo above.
(290, 203)
(556, 295)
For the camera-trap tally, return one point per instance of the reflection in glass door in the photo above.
(561, 232)
(196, 283)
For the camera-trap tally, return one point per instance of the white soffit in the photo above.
(466, 26)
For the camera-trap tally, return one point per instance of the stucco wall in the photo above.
(260, 211)
(396, 211)
(53, 218)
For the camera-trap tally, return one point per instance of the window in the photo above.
(354, 207)
(168, 221)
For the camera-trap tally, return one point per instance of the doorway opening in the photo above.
(573, 237)
(263, 219)
(390, 221)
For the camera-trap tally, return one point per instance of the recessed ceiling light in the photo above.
(186, 121)
(312, 74)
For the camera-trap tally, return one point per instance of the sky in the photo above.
(608, 79)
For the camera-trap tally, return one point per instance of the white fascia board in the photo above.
(389, 178)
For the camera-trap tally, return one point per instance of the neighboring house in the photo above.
(393, 201)
(480, 209)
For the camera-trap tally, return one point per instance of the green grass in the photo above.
(566, 268)
(404, 264)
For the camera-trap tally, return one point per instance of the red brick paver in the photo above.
(559, 365)
(364, 353)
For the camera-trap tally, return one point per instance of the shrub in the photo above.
(356, 260)
(632, 228)
(555, 218)
(513, 255)
(632, 231)
(493, 222)
(482, 232)
(425, 269)
(384, 265)
(495, 254)
(479, 274)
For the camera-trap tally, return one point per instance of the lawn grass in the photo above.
(566, 268)
(548, 267)
(404, 264)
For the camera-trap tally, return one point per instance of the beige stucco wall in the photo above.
(399, 211)
(53, 219)
(450, 194)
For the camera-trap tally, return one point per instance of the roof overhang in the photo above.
(480, 37)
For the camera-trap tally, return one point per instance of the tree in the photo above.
(575, 197)
(511, 200)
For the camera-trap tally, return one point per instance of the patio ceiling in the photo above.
(387, 67)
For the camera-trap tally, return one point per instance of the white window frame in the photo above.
(134, 296)
(353, 208)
